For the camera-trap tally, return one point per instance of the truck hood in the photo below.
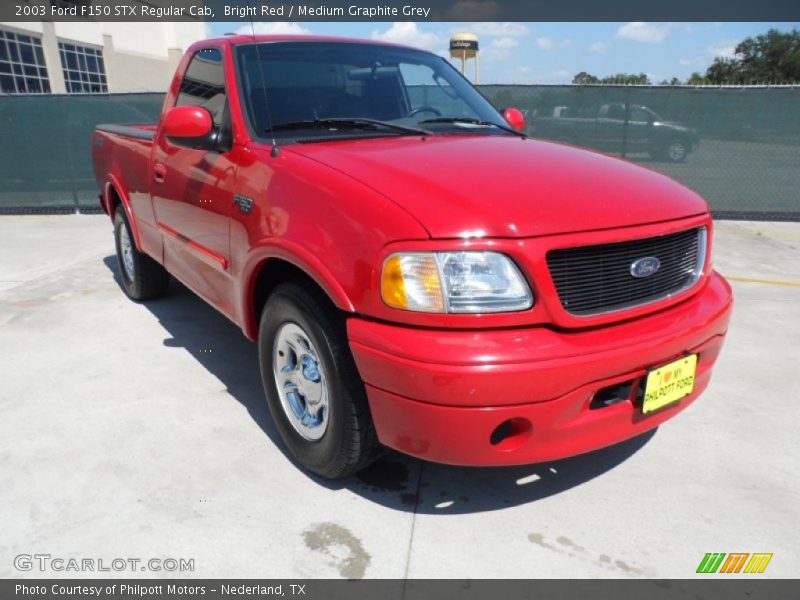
(504, 186)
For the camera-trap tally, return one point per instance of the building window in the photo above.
(22, 66)
(84, 71)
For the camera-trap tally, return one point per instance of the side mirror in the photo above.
(515, 118)
(190, 127)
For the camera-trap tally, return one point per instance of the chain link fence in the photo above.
(738, 147)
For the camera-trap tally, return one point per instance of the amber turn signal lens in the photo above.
(393, 288)
(411, 282)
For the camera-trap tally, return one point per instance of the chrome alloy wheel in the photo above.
(300, 381)
(126, 248)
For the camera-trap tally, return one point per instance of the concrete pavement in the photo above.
(140, 431)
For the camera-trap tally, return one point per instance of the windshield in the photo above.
(301, 84)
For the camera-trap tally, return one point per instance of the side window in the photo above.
(616, 112)
(204, 84)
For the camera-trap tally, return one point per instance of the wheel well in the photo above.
(113, 201)
(271, 274)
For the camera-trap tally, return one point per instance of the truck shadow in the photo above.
(395, 481)
(430, 488)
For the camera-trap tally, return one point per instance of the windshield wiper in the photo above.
(347, 123)
(473, 121)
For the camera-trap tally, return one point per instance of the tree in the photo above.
(769, 57)
(627, 79)
(696, 79)
(583, 78)
(724, 70)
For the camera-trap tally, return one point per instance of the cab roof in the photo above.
(234, 40)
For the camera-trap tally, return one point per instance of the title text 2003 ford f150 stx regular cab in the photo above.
(417, 273)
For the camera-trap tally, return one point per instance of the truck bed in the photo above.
(122, 153)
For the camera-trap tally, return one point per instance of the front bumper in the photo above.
(441, 395)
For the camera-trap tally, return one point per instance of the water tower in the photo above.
(465, 46)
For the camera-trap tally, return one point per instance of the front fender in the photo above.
(297, 255)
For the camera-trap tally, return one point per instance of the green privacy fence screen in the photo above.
(738, 147)
(45, 157)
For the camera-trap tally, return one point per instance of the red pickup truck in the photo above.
(418, 273)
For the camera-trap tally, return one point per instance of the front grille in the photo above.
(597, 279)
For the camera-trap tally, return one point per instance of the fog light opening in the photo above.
(611, 395)
(511, 434)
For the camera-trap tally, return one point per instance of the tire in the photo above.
(675, 151)
(142, 277)
(313, 389)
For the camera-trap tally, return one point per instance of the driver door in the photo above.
(640, 129)
(192, 190)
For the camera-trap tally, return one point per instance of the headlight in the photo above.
(454, 282)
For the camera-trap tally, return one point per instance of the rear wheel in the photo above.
(314, 392)
(142, 277)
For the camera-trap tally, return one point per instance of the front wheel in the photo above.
(314, 392)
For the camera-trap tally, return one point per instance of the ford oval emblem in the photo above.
(644, 267)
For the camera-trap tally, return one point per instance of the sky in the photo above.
(554, 52)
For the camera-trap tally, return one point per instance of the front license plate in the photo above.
(669, 383)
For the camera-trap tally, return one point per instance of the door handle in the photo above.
(159, 172)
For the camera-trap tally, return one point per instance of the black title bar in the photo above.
(403, 10)
(396, 589)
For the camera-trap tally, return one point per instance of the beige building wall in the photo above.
(52, 58)
(129, 71)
